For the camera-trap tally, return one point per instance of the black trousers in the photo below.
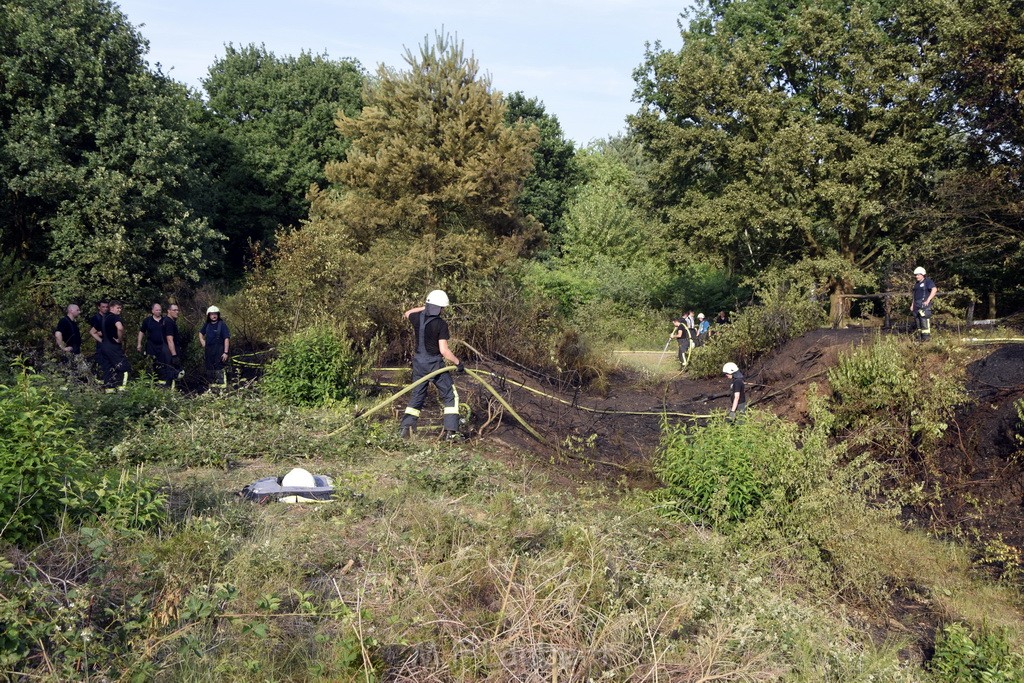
(421, 367)
(115, 365)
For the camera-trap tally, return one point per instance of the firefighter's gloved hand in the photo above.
(176, 361)
(731, 417)
(460, 368)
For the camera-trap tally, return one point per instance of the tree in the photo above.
(96, 157)
(975, 50)
(426, 197)
(790, 130)
(276, 117)
(549, 187)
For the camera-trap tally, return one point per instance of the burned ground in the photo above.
(975, 476)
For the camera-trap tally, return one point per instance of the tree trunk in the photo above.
(991, 305)
(839, 307)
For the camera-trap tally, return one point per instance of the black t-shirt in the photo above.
(436, 329)
(153, 331)
(109, 330)
(921, 291)
(737, 386)
(96, 322)
(171, 330)
(68, 329)
(687, 333)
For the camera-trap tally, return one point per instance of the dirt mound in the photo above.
(979, 467)
(620, 431)
(978, 471)
(786, 375)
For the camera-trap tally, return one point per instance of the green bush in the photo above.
(722, 473)
(122, 499)
(894, 396)
(787, 308)
(314, 367)
(40, 452)
(982, 657)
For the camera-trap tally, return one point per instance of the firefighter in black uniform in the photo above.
(216, 340)
(67, 334)
(684, 335)
(921, 305)
(96, 332)
(112, 349)
(172, 344)
(432, 351)
(151, 340)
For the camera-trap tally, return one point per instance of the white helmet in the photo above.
(730, 368)
(700, 316)
(438, 298)
(212, 309)
(300, 478)
(919, 271)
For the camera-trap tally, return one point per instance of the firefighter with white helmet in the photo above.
(215, 338)
(737, 390)
(921, 303)
(432, 335)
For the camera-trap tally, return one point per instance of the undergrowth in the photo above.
(443, 563)
(897, 398)
(787, 307)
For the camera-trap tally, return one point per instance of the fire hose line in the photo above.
(538, 392)
(426, 378)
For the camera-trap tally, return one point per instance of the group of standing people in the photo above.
(693, 332)
(158, 339)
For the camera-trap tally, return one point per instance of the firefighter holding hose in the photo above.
(432, 335)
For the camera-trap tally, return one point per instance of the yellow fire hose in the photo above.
(426, 378)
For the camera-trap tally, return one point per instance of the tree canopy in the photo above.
(425, 197)
(852, 133)
(276, 117)
(556, 173)
(96, 156)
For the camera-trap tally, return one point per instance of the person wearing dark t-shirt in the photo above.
(432, 335)
(67, 334)
(215, 338)
(921, 305)
(737, 390)
(172, 343)
(684, 335)
(96, 332)
(112, 349)
(151, 340)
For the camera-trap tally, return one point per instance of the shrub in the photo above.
(723, 472)
(122, 499)
(982, 657)
(40, 451)
(788, 307)
(890, 394)
(314, 367)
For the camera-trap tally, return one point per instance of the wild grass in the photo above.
(459, 564)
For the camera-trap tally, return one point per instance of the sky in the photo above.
(576, 56)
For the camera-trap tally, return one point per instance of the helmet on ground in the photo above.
(212, 309)
(919, 271)
(299, 477)
(438, 298)
(700, 316)
(730, 368)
